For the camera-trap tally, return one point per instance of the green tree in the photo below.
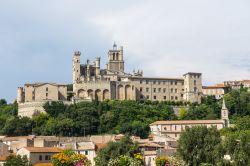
(17, 126)
(18, 160)
(161, 161)
(200, 145)
(182, 113)
(54, 108)
(115, 149)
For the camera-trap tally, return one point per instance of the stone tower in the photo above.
(225, 114)
(115, 59)
(20, 95)
(192, 87)
(76, 67)
(97, 66)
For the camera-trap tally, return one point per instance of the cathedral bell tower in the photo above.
(225, 114)
(115, 59)
(76, 67)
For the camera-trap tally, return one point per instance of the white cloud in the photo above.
(170, 38)
(163, 37)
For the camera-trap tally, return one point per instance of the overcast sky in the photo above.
(165, 38)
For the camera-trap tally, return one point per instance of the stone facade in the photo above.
(32, 97)
(91, 82)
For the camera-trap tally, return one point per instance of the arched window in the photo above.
(195, 89)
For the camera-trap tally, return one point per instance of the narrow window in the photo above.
(154, 90)
(140, 89)
(194, 82)
(164, 90)
(40, 157)
(172, 90)
(86, 152)
(164, 97)
(146, 89)
(155, 97)
(159, 89)
(47, 89)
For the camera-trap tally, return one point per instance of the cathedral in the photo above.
(90, 82)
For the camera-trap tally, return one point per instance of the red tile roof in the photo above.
(187, 122)
(43, 149)
(100, 146)
(3, 158)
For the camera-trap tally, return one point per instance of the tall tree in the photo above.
(200, 145)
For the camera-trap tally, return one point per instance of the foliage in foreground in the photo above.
(114, 151)
(204, 146)
(13, 160)
(70, 158)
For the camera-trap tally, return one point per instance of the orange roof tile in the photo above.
(188, 122)
(100, 146)
(43, 149)
(3, 158)
(214, 86)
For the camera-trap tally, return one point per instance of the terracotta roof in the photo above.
(100, 146)
(214, 86)
(246, 81)
(43, 164)
(187, 122)
(3, 158)
(43, 149)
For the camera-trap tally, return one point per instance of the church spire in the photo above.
(225, 113)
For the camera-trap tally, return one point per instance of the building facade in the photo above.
(238, 84)
(113, 83)
(173, 129)
(32, 97)
(38, 154)
(217, 90)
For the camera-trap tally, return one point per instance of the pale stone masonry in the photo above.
(32, 97)
(90, 81)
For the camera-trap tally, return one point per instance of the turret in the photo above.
(76, 67)
(20, 96)
(225, 114)
(97, 66)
